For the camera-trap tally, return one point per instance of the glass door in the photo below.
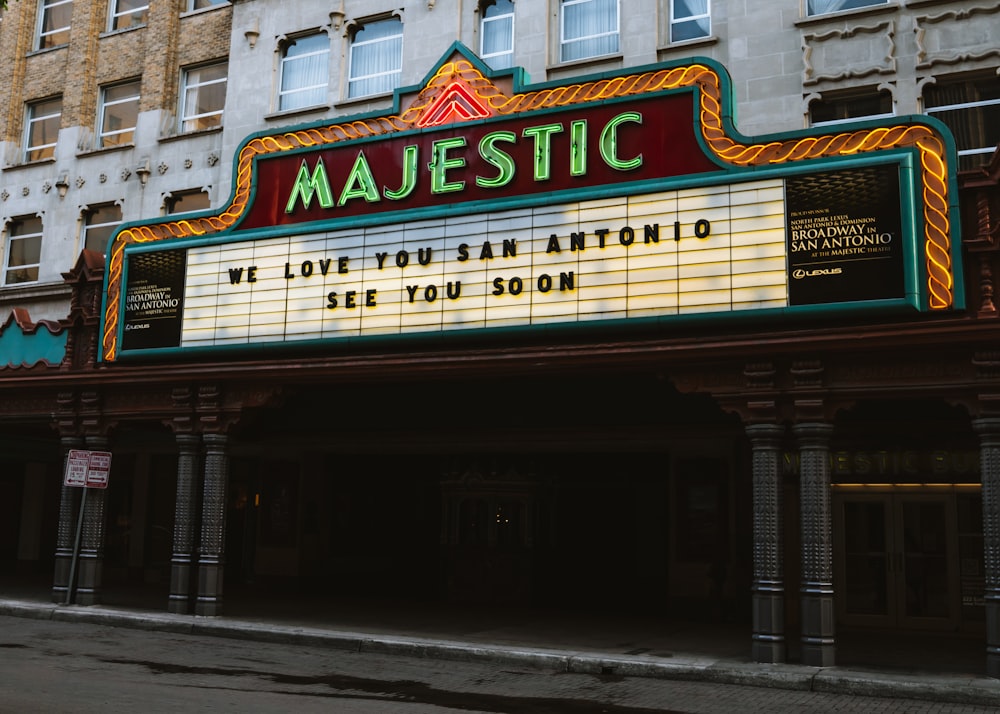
(895, 560)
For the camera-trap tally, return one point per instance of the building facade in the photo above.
(806, 462)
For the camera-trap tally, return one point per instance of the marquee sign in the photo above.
(483, 205)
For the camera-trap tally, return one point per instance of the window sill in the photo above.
(30, 164)
(286, 113)
(846, 14)
(586, 61)
(24, 291)
(181, 135)
(354, 101)
(45, 50)
(686, 44)
(122, 31)
(104, 150)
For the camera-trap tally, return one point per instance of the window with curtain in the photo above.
(376, 57)
(98, 225)
(970, 107)
(305, 72)
(128, 13)
(119, 114)
(53, 22)
(835, 108)
(690, 19)
(497, 33)
(203, 96)
(42, 129)
(822, 7)
(24, 251)
(587, 28)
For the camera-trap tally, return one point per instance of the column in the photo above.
(184, 521)
(69, 497)
(989, 467)
(768, 556)
(818, 640)
(213, 527)
(91, 564)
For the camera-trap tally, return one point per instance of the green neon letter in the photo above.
(495, 157)
(440, 163)
(543, 145)
(409, 175)
(609, 143)
(306, 187)
(360, 183)
(578, 148)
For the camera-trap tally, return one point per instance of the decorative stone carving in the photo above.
(848, 53)
(958, 35)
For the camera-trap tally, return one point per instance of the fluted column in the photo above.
(989, 466)
(818, 627)
(211, 556)
(768, 556)
(184, 525)
(91, 564)
(69, 496)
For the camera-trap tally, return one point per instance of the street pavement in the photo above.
(595, 646)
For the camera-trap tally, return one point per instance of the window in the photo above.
(128, 13)
(98, 226)
(822, 7)
(376, 58)
(119, 112)
(24, 251)
(305, 69)
(587, 28)
(42, 131)
(971, 109)
(53, 23)
(187, 201)
(836, 108)
(690, 19)
(497, 33)
(203, 96)
(201, 4)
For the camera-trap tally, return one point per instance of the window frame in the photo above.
(564, 42)
(192, 5)
(285, 62)
(960, 106)
(860, 5)
(13, 237)
(114, 15)
(186, 87)
(353, 81)
(675, 21)
(45, 7)
(102, 117)
(47, 150)
(484, 21)
(841, 99)
(88, 226)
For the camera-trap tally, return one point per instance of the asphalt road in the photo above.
(61, 667)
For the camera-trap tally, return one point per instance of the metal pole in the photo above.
(76, 548)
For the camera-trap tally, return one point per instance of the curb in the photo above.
(833, 680)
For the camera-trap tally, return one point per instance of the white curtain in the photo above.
(690, 20)
(376, 58)
(589, 28)
(498, 34)
(821, 7)
(304, 72)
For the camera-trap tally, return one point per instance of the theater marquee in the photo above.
(481, 204)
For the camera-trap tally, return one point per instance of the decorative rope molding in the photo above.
(933, 165)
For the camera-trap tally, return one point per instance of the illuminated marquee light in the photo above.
(933, 165)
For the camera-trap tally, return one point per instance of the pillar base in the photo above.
(209, 602)
(768, 627)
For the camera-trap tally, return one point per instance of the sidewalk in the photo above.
(945, 669)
